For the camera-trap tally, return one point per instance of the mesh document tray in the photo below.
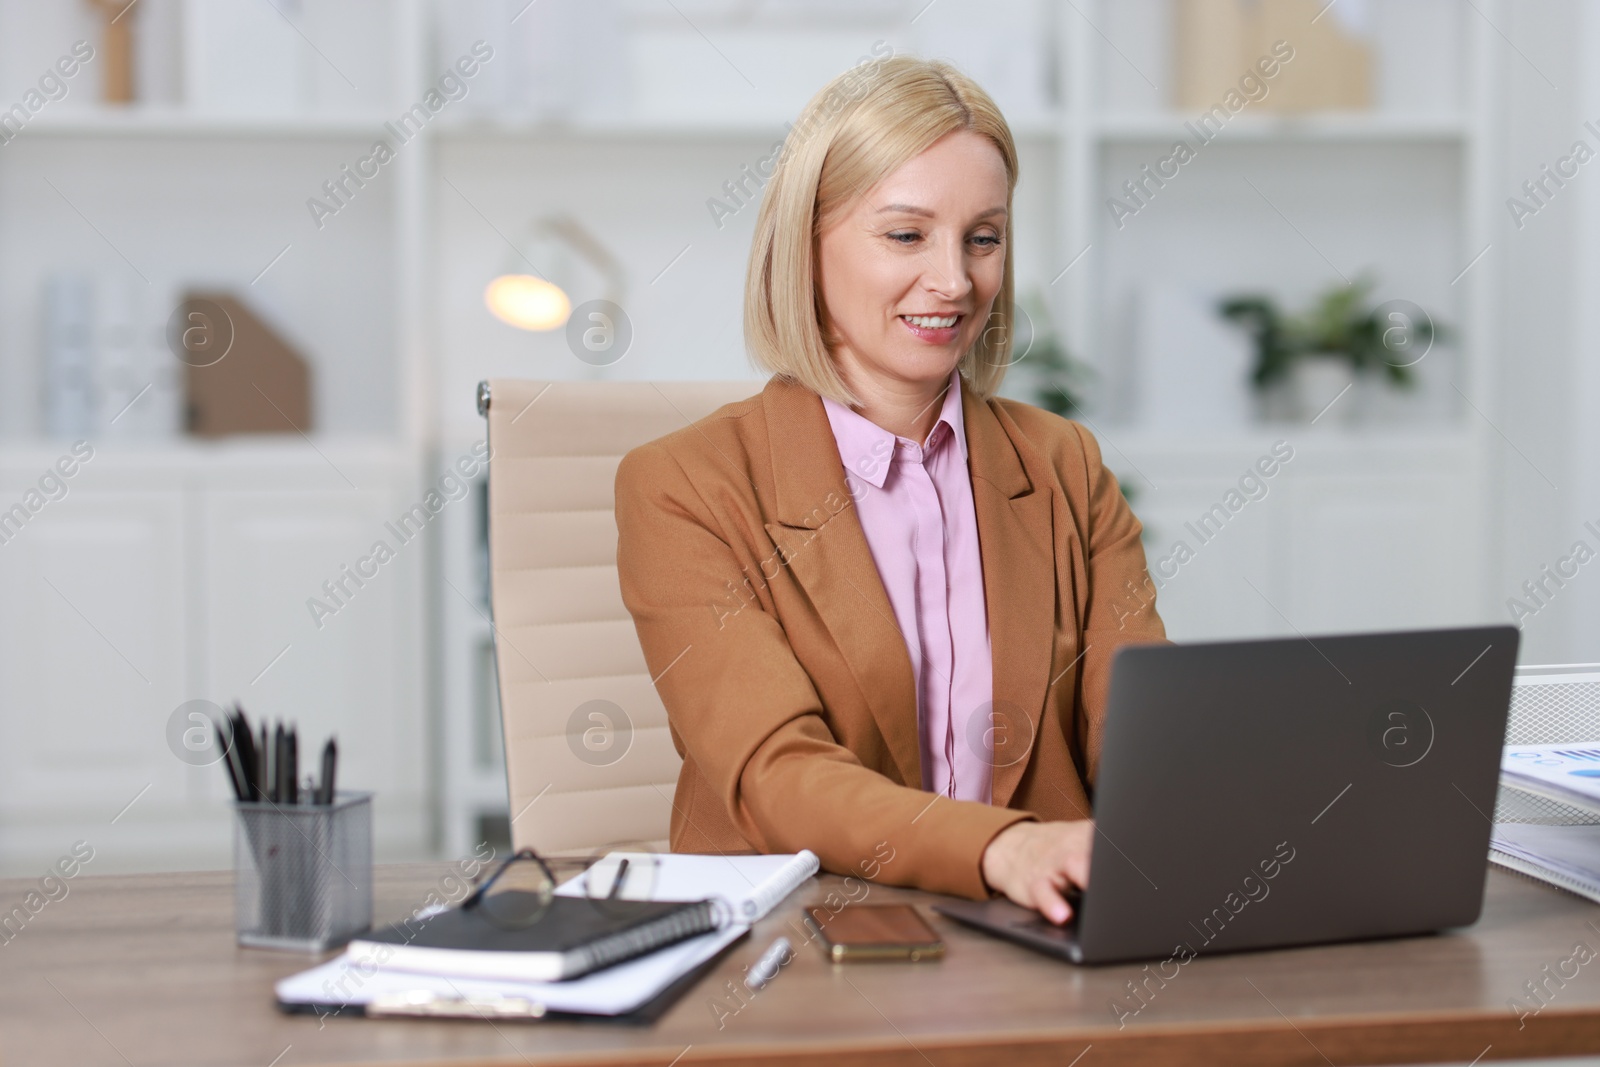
(1550, 705)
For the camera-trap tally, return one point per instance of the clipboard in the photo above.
(508, 1009)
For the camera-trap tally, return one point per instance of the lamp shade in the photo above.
(533, 291)
(528, 303)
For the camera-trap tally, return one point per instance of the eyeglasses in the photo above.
(525, 892)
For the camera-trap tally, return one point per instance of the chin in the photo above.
(924, 369)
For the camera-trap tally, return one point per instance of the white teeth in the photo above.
(931, 322)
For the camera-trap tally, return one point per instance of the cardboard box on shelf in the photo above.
(240, 376)
(1218, 42)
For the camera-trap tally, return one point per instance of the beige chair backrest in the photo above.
(589, 759)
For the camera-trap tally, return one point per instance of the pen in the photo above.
(227, 736)
(280, 763)
(263, 767)
(330, 758)
(766, 968)
(271, 772)
(245, 741)
(622, 876)
(292, 787)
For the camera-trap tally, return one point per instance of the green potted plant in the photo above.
(1339, 340)
(1057, 377)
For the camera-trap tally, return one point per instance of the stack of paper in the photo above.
(1564, 856)
(750, 885)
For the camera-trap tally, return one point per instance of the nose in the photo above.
(947, 274)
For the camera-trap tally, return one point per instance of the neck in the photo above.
(906, 409)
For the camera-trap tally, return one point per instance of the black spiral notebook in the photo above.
(551, 940)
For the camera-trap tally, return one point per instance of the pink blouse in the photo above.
(915, 505)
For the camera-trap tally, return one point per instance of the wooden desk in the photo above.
(142, 970)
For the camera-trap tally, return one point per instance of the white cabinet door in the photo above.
(92, 663)
(1347, 534)
(1381, 553)
(345, 662)
(1218, 577)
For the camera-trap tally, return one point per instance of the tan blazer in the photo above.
(786, 680)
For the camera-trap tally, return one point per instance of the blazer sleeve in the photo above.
(743, 708)
(1121, 606)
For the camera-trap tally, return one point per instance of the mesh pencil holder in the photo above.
(1550, 705)
(303, 872)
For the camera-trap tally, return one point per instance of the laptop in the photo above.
(1257, 794)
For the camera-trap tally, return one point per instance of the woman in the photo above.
(879, 602)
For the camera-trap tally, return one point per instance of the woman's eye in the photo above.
(909, 237)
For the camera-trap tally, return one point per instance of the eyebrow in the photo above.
(912, 209)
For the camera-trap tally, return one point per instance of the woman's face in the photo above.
(927, 241)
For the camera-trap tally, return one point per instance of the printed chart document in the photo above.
(1569, 773)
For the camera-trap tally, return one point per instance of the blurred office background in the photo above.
(215, 158)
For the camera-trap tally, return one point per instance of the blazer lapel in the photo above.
(820, 538)
(1015, 535)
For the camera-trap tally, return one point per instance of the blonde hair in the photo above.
(854, 133)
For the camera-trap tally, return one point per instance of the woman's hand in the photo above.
(1033, 863)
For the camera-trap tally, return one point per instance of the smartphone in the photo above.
(875, 932)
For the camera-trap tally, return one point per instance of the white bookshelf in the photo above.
(171, 121)
(1343, 127)
(195, 560)
(387, 299)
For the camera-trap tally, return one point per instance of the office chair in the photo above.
(590, 762)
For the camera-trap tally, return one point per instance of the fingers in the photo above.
(1049, 895)
(1039, 893)
(1049, 902)
(1034, 864)
(1075, 863)
(1068, 865)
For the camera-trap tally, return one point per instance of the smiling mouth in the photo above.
(932, 322)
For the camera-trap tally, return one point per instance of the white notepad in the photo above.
(752, 885)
